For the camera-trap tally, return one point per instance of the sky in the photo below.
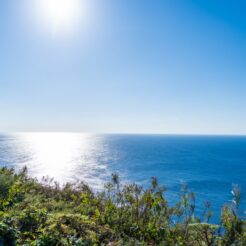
(125, 66)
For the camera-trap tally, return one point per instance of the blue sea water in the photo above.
(209, 165)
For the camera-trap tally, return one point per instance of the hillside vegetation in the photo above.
(44, 213)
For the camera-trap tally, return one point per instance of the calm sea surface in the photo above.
(209, 165)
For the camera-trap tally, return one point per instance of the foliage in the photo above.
(43, 213)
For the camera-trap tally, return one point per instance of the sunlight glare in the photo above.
(66, 157)
(59, 16)
(56, 153)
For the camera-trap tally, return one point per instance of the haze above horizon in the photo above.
(123, 66)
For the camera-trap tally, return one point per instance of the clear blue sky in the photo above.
(134, 66)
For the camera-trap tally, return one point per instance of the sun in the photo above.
(59, 16)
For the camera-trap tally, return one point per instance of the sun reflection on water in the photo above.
(66, 157)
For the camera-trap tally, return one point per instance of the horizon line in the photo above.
(127, 133)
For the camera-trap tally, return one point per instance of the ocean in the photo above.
(208, 165)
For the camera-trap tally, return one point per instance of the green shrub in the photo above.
(44, 213)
